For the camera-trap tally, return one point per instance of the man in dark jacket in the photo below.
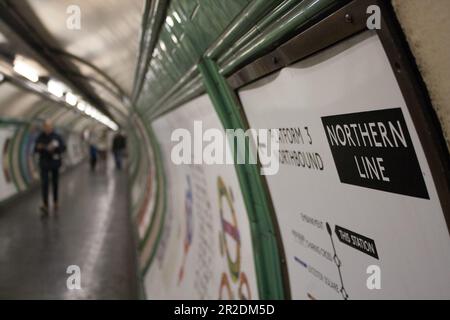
(49, 146)
(118, 148)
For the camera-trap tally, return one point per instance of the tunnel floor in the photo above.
(92, 230)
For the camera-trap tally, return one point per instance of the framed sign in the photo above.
(362, 193)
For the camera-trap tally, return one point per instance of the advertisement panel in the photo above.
(357, 207)
(205, 251)
(7, 187)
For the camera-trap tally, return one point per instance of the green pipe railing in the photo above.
(154, 15)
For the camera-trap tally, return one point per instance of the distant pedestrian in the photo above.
(50, 146)
(118, 149)
(93, 156)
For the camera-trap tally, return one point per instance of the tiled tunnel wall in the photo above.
(183, 83)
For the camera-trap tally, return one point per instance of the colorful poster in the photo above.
(205, 250)
(355, 200)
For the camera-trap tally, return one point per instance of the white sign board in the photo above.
(357, 207)
(7, 187)
(205, 251)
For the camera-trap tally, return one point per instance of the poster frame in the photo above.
(347, 22)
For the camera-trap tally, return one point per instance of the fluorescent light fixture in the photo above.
(3, 38)
(56, 88)
(95, 114)
(25, 70)
(107, 122)
(71, 99)
(81, 106)
(169, 21)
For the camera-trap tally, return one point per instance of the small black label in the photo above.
(373, 149)
(357, 241)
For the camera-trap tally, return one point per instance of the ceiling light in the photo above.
(81, 106)
(112, 125)
(162, 45)
(175, 14)
(25, 70)
(56, 88)
(71, 99)
(94, 113)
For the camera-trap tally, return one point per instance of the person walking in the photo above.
(118, 148)
(50, 146)
(93, 155)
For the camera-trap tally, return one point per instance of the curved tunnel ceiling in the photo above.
(108, 37)
(101, 55)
